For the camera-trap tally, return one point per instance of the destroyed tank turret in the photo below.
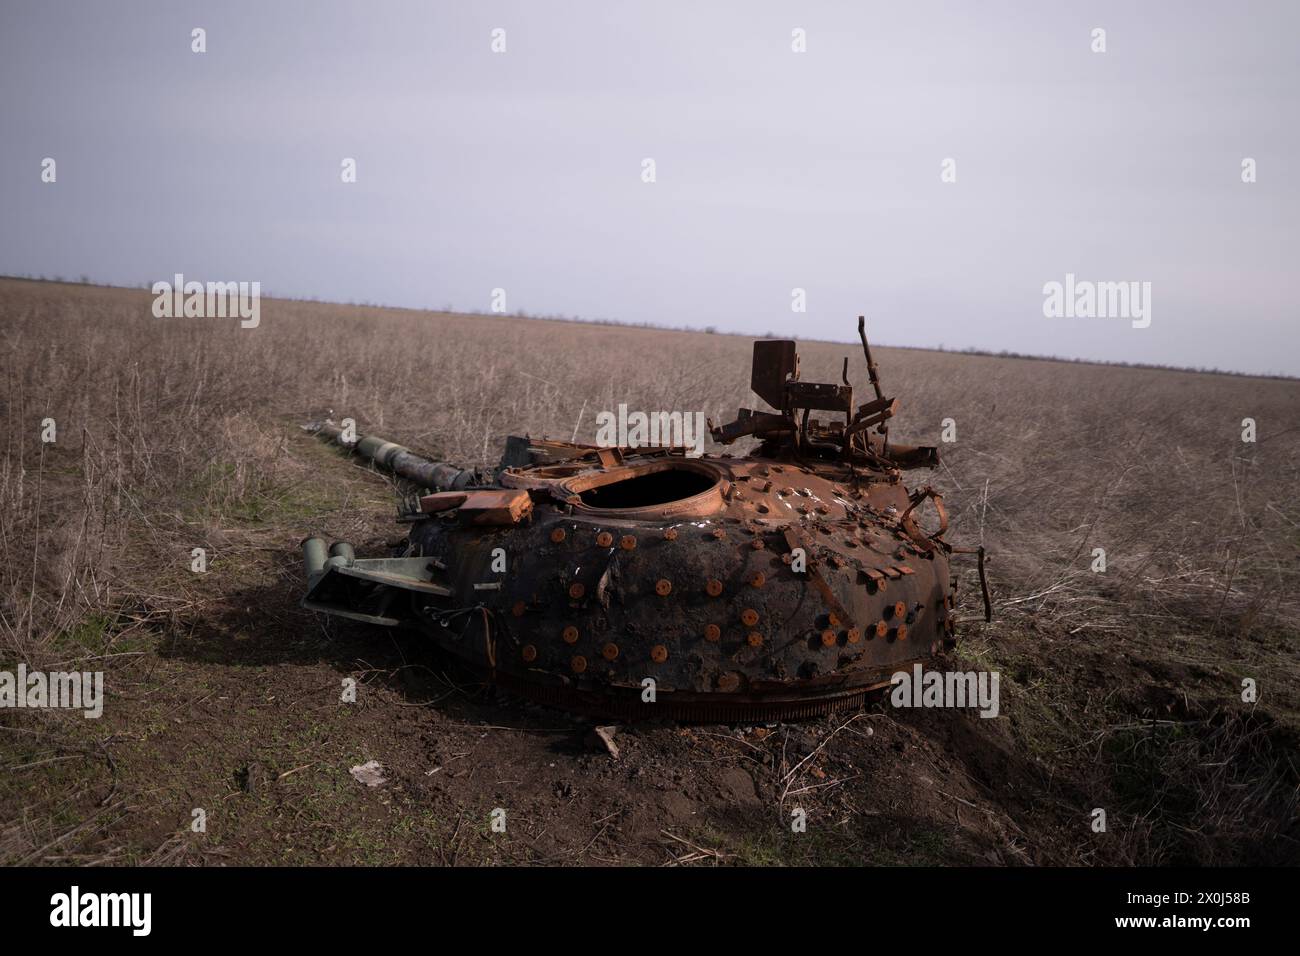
(642, 582)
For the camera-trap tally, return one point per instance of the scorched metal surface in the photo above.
(644, 583)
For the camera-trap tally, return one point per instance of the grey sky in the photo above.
(775, 170)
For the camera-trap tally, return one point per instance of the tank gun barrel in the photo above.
(398, 459)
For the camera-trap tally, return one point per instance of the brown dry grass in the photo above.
(180, 433)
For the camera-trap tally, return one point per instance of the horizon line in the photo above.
(706, 330)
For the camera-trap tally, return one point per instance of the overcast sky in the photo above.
(775, 169)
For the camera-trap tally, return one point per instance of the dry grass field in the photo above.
(1121, 690)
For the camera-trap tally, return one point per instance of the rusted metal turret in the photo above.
(642, 582)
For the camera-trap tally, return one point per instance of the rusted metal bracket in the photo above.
(750, 422)
(913, 529)
(872, 413)
(492, 506)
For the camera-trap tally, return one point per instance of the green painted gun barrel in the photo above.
(399, 459)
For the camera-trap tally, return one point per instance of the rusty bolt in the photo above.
(578, 663)
(529, 653)
(882, 628)
(663, 587)
(828, 638)
(758, 580)
(749, 617)
(658, 653)
(557, 535)
(902, 632)
(576, 590)
(899, 609)
(518, 609)
(609, 651)
(854, 635)
(627, 542)
(755, 639)
(570, 635)
(834, 619)
(604, 539)
(670, 534)
(712, 632)
(713, 587)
